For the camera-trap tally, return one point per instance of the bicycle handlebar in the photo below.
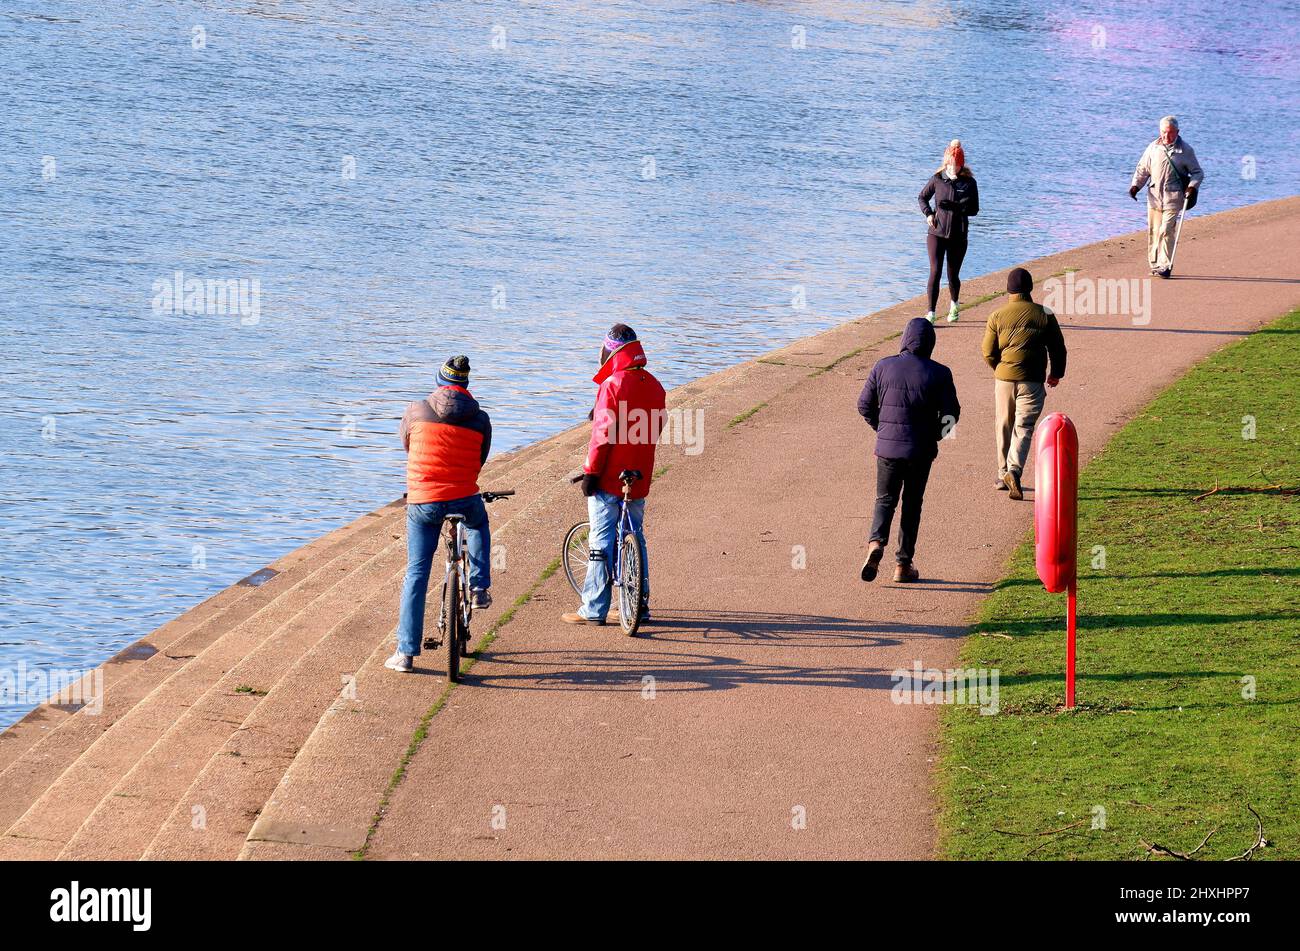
(493, 496)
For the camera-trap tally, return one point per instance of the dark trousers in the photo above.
(954, 249)
(895, 478)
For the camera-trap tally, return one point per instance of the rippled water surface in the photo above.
(402, 188)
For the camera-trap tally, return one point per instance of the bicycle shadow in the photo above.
(786, 630)
(637, 671)
(623, 665)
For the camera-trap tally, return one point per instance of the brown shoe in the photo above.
(573, 617)
(1012, 479)
(906, 573)
(875, 551)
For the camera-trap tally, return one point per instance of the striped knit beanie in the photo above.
(455, 372)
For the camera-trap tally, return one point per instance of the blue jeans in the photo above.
(602, 513)
(423, 528)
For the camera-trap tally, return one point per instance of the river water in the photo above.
(391, 183)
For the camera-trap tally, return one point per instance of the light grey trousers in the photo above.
(1017, 407)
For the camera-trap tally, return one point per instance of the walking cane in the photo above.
(1182, 213)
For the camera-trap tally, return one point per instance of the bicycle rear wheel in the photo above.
(631, 605)
(455, 624)
(575, 551)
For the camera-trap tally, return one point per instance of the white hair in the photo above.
(1171, 121)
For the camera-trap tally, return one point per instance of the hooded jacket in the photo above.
(447, 439)
(961, 195)
(626, 421)
(909, 399)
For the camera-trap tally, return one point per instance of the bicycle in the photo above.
(628, 574)
(457, 607)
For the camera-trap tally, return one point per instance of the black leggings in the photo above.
(955, 248)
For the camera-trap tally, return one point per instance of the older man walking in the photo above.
(1169, 168)
(1019, 341)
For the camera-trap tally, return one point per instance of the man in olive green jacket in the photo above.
(1020, 339)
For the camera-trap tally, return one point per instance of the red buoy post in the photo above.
(1056, 523)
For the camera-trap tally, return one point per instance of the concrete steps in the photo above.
(126, 819)
(49, 791)
(324, 804)
(48, 746)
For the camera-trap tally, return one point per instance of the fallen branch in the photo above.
(1033, 835)
(1259, 839)
(1155, 848)
(1279, 488)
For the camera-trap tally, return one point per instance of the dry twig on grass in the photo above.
(1154, 848)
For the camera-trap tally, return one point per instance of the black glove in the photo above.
(947, 204)
(1191, 198)
(589, 484)
(1133, 192)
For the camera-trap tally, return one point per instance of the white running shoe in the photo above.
(952, 312)
(930, 316)
(399, 662)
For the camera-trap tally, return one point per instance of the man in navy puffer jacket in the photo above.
(911, 403)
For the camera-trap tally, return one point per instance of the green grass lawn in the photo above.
(1197, 602)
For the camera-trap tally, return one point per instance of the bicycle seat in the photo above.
(453, 519)
(628, 476)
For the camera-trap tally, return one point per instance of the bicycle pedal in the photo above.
(432, 643)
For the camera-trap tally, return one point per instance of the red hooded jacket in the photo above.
(626, 422)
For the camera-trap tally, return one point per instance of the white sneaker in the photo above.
(930, 316)
(399, 662)
(952, 312)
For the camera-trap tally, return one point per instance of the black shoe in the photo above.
(872, 564)
(1165, 272)
(1012, 479)
(480, 599)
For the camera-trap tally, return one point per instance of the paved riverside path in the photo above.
(772, 681)
(226, 734)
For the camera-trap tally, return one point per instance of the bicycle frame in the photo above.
(624, 526)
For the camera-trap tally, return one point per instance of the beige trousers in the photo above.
(1017, 406)
(1160, 236)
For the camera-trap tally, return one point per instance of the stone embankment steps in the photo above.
(230, 791)
(127, 817)
(143, 780)
(133, 722)
(48, 748)
(347, 761)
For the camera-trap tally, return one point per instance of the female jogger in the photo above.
(956, 200)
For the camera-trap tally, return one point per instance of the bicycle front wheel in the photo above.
(631, 604)
(575, 552)
(452, 595)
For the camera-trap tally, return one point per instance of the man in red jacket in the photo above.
(625, 427)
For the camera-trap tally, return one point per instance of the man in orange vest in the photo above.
(447, 438)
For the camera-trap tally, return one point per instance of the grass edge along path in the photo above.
(422, 731)
(1185, 742)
